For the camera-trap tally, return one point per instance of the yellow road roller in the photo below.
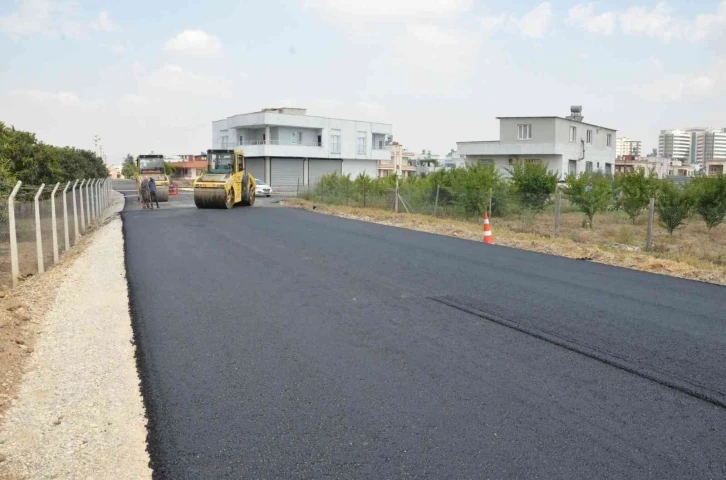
(225, 183)
(152, 166)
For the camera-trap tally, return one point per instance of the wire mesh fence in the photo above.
(34, 227)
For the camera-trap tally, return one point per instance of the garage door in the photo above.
(286, 171)
(318, 168)
(256, 166)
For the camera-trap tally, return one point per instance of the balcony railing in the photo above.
(275, 142)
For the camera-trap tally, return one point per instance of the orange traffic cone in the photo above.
(488, 238)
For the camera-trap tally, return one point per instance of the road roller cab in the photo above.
(225, 183)
(152, 166)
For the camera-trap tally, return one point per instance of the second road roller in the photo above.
(226, 183)
(152, 166)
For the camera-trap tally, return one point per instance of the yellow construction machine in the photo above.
(225, 183)
(152, 166)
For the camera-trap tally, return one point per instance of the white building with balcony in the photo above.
(564, 144)
(286, 147)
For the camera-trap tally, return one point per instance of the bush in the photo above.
(590, 192)
(533, 184)
(634, 191)
(709, 197)
(674, 205)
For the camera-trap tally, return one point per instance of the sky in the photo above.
(152, 76)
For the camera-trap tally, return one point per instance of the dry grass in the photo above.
(692, 252)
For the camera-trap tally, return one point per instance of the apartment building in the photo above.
(564, 144)
(711, 146)
(400, 163)
(677, 144)
(627, 146)
(286, 146)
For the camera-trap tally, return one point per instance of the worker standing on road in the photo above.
(152, 191)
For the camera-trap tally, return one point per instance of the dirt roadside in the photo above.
(615, 255)
(71, 404)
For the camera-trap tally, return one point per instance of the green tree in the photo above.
(674, 205)
(590, 192)
(534, 184)
(709, 198)
(634, 191)
(129, 169)
(23, 157)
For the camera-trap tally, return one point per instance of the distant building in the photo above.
(711, 146)
(453, 160)
(399, 164)
(286, 146)
(114, 171)
(677, 144)
(662, 166)
(626, 146)
(564, 144)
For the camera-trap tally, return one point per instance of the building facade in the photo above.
(565, 144)
(627, 146)
(677, 144)
(286, 147)
(399, 164)
(710, 146)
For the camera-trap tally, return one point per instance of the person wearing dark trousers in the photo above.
(152, 191)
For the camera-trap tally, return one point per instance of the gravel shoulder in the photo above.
(79, 411)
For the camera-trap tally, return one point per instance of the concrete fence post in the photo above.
(75, 211)
(83, 212)
(88, 203)
(38, 237)
(558, 210)
(54, 223)
(98, 198)
(651, 218)
(95, 199)
(14, 267)
(66, 237)
(436, 204)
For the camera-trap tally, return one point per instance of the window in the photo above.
(361, 145)
(572, 167)
(296, 138)
(380, 144)
(486, 161)
(573, 134)
(610, 139)
(241, 140)
(588, 167)
(589, 137)
(224, 141)
(533, 160)
(335, 141)
(524, 132)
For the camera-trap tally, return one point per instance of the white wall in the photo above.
(356, 167)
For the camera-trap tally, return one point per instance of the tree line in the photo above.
(531, 187)
(23, 157)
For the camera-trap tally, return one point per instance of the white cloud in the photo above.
(584, 17)
(61, 98)
(51, 18)
(174, 79)
(434, 50)
(661, 22)
(533, 24)
(104, 24)
(354, 11)
(195, 43)
(117, 48)
(686, 86)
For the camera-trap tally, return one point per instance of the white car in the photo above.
(263, 188)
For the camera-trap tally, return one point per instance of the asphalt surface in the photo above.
(278, 343)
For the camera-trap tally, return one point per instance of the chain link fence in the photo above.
(38, 225)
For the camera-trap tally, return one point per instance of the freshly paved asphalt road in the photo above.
(278, 343)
